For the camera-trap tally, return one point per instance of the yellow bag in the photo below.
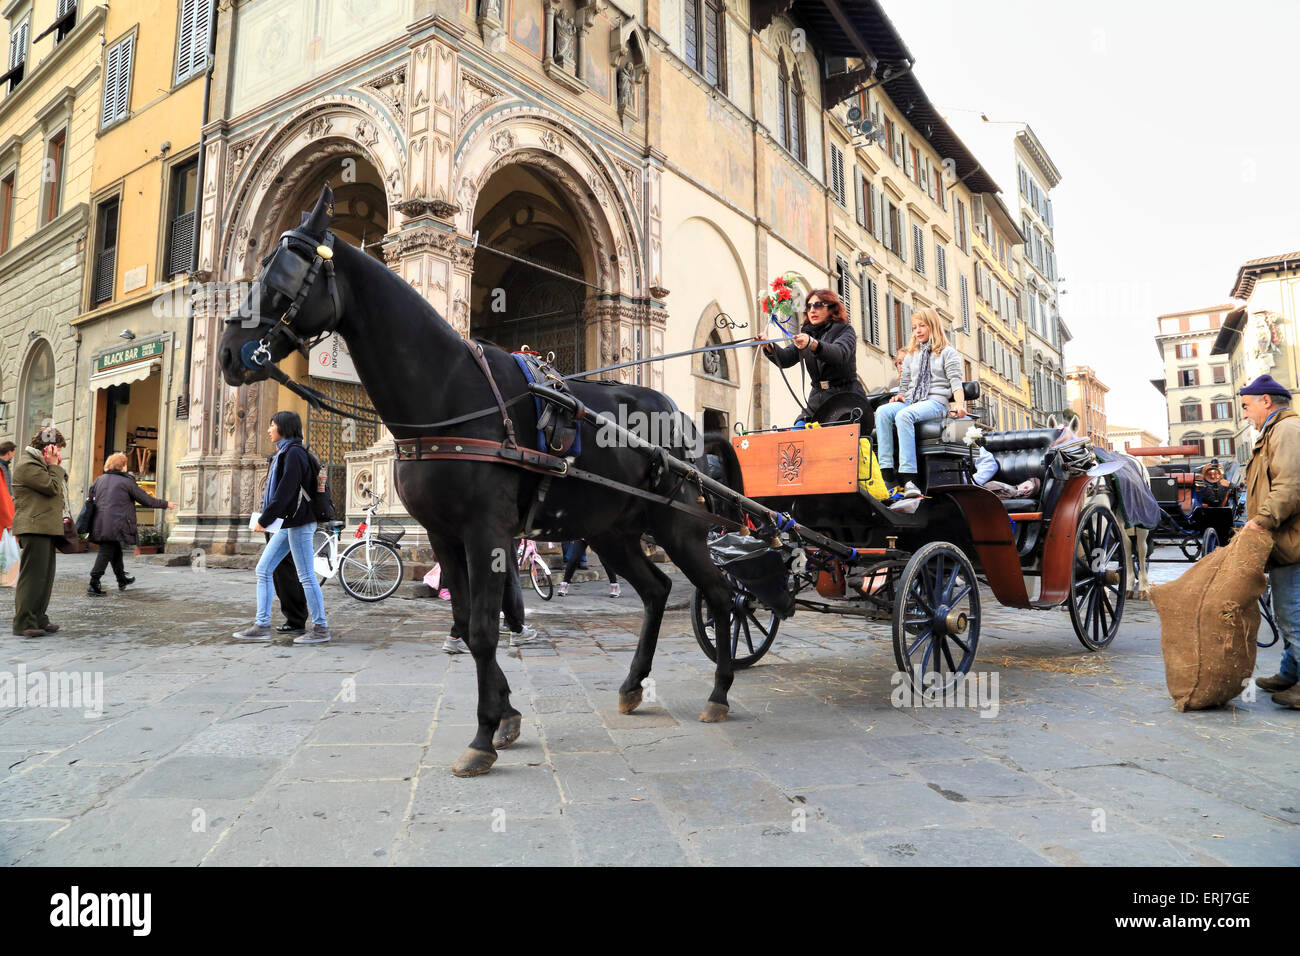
(869, 478)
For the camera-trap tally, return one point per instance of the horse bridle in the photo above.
(291, 271)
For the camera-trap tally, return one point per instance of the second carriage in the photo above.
(922, 564)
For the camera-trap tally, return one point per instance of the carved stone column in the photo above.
(438, 263)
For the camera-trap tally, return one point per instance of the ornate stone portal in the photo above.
(432, 164)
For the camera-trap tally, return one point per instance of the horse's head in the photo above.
(295, 300)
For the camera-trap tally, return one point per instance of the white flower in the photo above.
(973, 435)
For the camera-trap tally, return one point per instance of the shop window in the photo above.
(105, 252)
(37, 391)
(180, 229)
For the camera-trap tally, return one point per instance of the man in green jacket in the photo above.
(1273, 504)
(38, 489)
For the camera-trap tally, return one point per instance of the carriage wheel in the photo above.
(1209, 541)
(936, 619)
(753, 628)
(1099, 580)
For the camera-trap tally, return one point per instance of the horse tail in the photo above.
(720, 461)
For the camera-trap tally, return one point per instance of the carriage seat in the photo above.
(936, 429)
(1021, 454)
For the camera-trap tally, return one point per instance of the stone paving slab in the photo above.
(213, 752)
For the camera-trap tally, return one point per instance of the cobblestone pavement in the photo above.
(209, 751)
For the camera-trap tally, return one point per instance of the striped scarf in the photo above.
(921, 390)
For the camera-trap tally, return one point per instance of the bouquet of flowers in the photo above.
(785, 302)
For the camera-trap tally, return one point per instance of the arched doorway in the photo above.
(37, 391)
(529, 281)
(360, 218)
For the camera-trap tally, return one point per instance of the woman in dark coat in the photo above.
(828, 347)
(115, 494)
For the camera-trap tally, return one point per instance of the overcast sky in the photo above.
(1175, 128)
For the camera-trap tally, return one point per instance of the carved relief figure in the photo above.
(565, 40)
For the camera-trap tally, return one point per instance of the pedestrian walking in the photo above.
(8, 545)
(39, 483)
(1273, 504)
(577, 556)
(115, 494)
(288, 591)
(287, 515)
(7, 451)
(512, 609)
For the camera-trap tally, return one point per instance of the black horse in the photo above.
(417, 369)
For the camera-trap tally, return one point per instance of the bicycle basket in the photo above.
(390, 536)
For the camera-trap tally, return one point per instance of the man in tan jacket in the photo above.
(1273, 504)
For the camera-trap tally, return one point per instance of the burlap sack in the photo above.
(1208, 620)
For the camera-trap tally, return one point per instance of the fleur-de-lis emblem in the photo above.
(789, 462)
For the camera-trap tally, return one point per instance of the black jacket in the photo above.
(115, 494)
(291, 501)
(835, 361)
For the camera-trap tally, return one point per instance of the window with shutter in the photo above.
(105, 252)
(18, 41)
(872, 311)
(712, 45)
(798, 127)
(872, 221)
(691, 24)
(941, 265)
(889, 322)
(859, 201)
(842, 285)
(918, 249)
(180, 239)
(965, 304)
(117, 81)
(837, 175)
(877, 214)
(900, 237)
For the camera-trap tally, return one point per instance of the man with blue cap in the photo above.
(1273, 504)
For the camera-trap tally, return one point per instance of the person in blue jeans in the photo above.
(929, 387)
(288, 498)
(1273, 505)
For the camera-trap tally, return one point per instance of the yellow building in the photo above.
(51, 90)
(901, 236)
(141, 239)
(1004, 387)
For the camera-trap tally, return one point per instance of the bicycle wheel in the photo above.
(320, 549)
(370, 570)
(541, 576)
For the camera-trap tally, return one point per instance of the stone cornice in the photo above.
(65, 226)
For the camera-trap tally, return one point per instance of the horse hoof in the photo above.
(714, 713)
(507, 732)
(473, 763)
(630, 701)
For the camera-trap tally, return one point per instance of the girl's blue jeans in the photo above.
(296, 541)
(905, 416)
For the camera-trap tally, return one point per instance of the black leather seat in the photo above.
(928, 431)
(1021, 453)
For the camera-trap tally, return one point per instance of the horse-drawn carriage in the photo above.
(922, 565)
(1197, 511)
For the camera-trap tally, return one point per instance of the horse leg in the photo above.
(622, 554)
(686, 546)
(486, 585)
(1143, 553)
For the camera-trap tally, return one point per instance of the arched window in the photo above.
(783, 101)
(798, 134)
(37, 391)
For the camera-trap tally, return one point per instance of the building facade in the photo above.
(1000, 333)
(48, 123)
(1260, 336)
(1199, 395)
(134, 303)
(1087, 397)
(1125, 437)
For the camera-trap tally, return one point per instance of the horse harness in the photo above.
(558, 422)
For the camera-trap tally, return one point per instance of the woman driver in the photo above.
(930, 380)
(829, 349)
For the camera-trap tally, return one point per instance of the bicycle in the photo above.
(538, 570)
(368, 570)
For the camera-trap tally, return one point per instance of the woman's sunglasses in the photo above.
(818, 305)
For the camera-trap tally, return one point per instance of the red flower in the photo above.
(783, 295)
(778, 283)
